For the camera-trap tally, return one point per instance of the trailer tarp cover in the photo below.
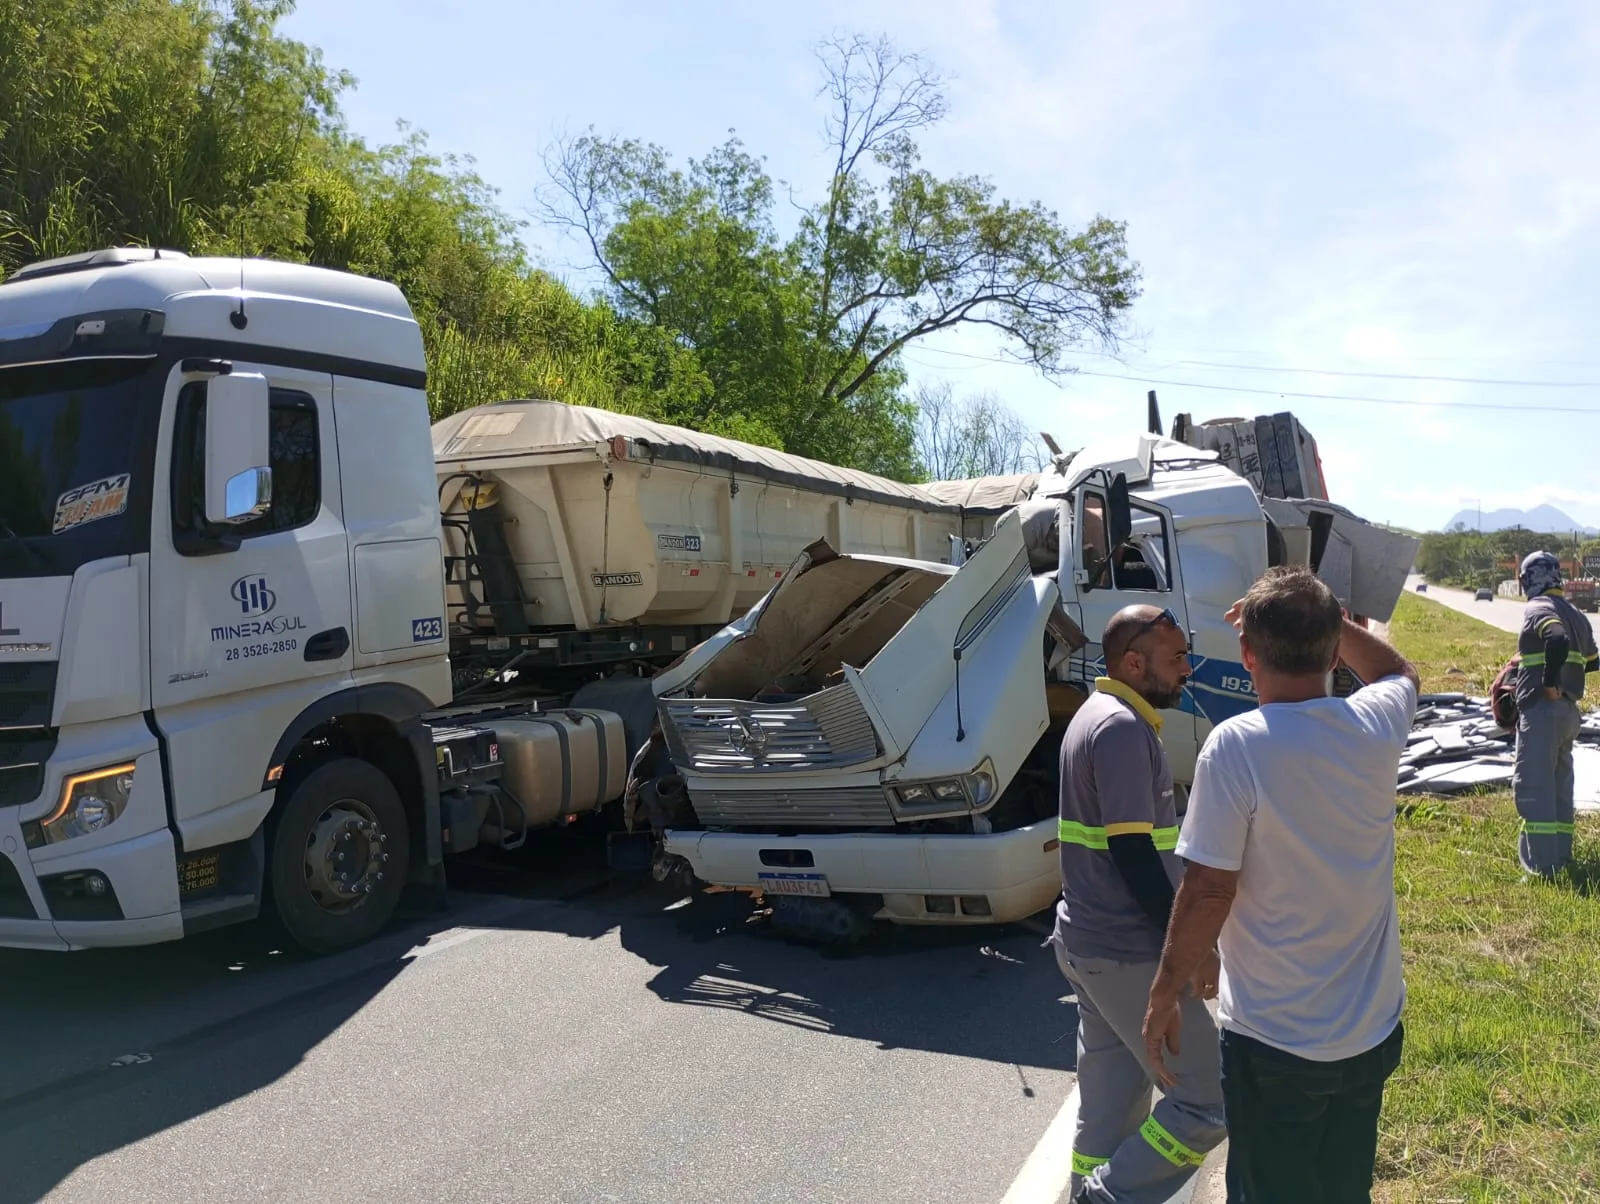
(522, 428)
(985, 494)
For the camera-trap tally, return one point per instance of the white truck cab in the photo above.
(908, 769)
(221, 599)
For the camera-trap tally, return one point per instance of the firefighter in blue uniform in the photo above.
(1556, 648)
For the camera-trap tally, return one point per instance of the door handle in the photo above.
(328, 645)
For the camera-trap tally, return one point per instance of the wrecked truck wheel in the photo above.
(673, 872)
(835, 921)
(338, 856)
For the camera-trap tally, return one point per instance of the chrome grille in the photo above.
(846, 807)
(828, 730)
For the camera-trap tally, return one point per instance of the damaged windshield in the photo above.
(74, 464)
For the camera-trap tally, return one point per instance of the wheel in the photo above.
(338, 856)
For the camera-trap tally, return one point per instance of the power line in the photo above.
(1453, 380)
(1391, 401)
(1386, 401)
(1417, 376)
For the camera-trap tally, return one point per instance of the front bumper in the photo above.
(922, 879)
(136, 855)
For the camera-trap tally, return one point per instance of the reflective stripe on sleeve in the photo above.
(1128, 829)
(1071, 832)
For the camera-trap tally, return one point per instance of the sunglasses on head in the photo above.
(1166, 616)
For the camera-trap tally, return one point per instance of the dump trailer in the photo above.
(879, 739)
(578, 537)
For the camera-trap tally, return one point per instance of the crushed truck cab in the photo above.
(878, 738)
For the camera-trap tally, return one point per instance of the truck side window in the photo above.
(1131, 565)
(296, 463)
(1096, 539)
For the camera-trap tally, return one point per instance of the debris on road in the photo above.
(1456, 745)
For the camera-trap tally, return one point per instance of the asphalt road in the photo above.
(563, 1037)
(1503, 613)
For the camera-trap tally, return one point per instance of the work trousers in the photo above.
(1124, 1152)
(1542, 781)
(1303, 1132)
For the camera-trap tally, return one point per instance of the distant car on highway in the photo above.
(1484, 595)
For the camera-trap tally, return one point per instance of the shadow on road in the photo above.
(100, 1050)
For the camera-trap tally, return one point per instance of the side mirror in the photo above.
(1119, 514)
(238, 448)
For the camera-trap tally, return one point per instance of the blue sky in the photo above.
(1316, 188)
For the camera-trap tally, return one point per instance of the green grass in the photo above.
(1498, 1095)
(1454, 652)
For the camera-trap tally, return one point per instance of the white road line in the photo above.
(1044, 1177)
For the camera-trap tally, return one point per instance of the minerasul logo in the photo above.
(253, 596)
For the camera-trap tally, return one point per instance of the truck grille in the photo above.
(845, 807)
(828, 730)
(27, 694)
(23, 756)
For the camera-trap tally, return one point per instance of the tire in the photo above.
(345, 811)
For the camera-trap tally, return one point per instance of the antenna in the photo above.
(237, 317)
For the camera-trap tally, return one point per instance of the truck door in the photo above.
(249, 623)
(1143, 571)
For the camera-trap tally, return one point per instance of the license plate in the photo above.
(794, 884)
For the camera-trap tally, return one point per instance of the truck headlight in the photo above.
(89, 802)
(975, 789)
(981, 782)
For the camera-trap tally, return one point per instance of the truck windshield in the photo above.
(74, 464)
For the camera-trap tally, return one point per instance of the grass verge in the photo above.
(1498, 1095)
(1455, 653)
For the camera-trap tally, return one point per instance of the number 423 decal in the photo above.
(426, 629)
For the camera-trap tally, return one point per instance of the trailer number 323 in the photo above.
(426, 629)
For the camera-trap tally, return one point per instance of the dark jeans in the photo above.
(1303, 1132)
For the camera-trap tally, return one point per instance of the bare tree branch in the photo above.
(976, 437)
(582, 207)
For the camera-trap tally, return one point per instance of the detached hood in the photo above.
(840, 665)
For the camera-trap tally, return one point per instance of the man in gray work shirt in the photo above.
(1118, 829)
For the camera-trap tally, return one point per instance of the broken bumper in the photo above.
(992, 879)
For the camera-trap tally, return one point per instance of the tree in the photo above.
(804, 333)
(897, 254)
(195, 125)
(976, 437)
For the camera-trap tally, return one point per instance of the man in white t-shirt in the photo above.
(1289, 840)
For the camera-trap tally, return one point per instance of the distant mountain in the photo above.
(1540, 518)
